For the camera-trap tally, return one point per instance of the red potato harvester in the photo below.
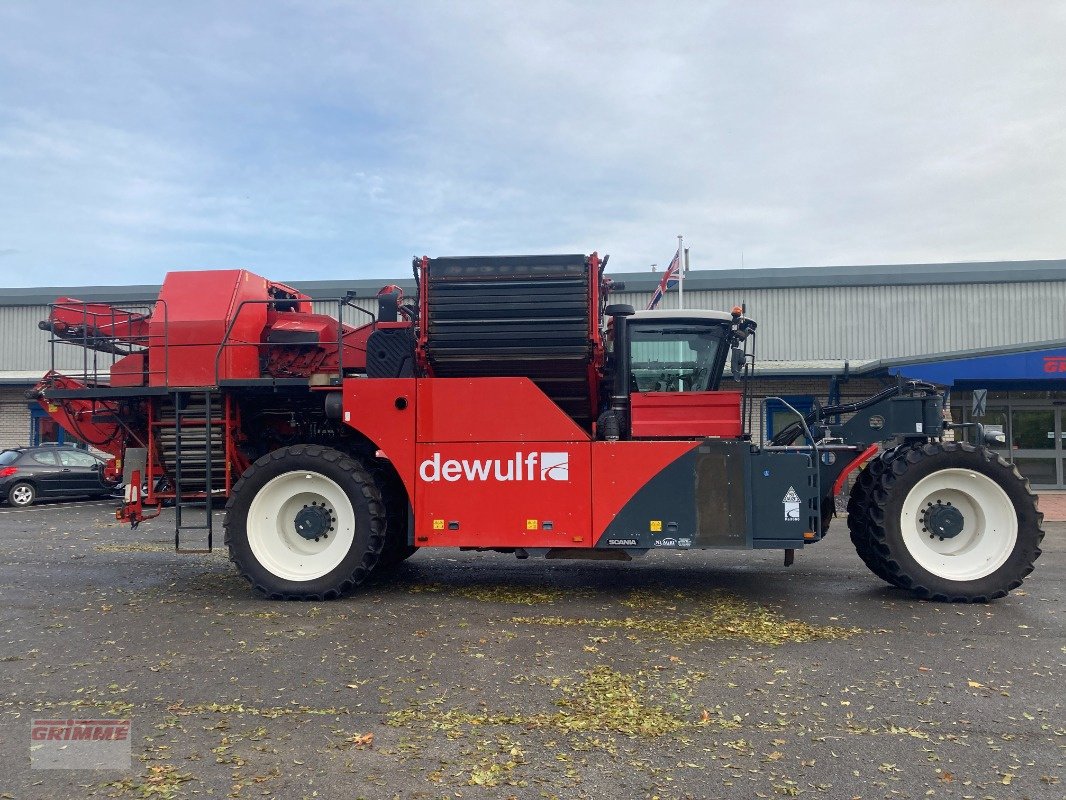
(494, 411)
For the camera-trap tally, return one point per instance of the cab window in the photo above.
(676, 358)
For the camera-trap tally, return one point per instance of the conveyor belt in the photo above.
(525, 316)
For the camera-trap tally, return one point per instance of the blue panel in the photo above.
(1036, 365)
(36, 414)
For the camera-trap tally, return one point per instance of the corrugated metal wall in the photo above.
(23, 346)
(867, 322)
(794, 324)
(350, 316)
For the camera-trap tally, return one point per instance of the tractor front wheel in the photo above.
(950, 521)
(305, 523)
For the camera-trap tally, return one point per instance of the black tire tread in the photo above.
(395, 550)
(858, 523)
(371, 493)
(877, 520)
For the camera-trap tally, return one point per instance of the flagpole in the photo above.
(680, 271)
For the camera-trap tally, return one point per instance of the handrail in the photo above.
(341, 303)
(112, 342)
(816, 463)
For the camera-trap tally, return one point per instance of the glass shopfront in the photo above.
(1033, 425)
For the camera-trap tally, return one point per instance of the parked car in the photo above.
(29, 474)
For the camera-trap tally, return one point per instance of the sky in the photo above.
(335, 140)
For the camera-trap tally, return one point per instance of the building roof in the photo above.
(808, 368)
(912, 366)
(708, 279)
(16, 377)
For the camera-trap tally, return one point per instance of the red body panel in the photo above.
(503, 494)
(490, 410)
(672, 415)
(199, 311)
(373, 407)
(129, 370)
(492, 462)
(620, 470)
(191, 318)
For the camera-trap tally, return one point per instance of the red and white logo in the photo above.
(80, 744)
(537, 466)
(80, 730)
(1054, 363)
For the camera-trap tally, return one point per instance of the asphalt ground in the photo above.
(471, 675)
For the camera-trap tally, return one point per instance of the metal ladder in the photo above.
(198, 456)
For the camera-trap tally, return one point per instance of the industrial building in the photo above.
(996, 326)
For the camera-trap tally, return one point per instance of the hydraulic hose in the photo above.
(791, 432)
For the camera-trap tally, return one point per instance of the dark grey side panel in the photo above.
(721, 500)
(699, 500)
(783, 497)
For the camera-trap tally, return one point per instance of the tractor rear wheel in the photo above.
(305, 523)
(950, 521)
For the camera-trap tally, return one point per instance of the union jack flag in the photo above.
(668, 282)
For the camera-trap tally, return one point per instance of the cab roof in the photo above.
(681, 315)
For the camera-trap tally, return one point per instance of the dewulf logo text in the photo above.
(523, 467)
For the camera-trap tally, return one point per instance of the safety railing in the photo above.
(105, 337)
(228, 341)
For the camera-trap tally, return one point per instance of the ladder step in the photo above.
(200, 423)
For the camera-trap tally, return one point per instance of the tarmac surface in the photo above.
(474, 675)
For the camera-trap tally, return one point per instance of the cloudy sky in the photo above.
(337, 139)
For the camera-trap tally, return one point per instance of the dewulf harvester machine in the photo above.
(507, 406)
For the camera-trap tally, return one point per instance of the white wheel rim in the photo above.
(21, 495)
(989, 531)
(272, 532)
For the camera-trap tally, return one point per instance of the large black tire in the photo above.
(396, 550)
(1000, 534)
(283, 564)
(858, 516)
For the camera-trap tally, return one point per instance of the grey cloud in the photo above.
(332, 140)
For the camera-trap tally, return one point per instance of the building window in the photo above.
(43, 429)
(779, 417)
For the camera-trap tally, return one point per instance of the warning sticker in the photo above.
(791, 502)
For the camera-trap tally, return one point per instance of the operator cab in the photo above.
(666, 369)
(677, 351)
